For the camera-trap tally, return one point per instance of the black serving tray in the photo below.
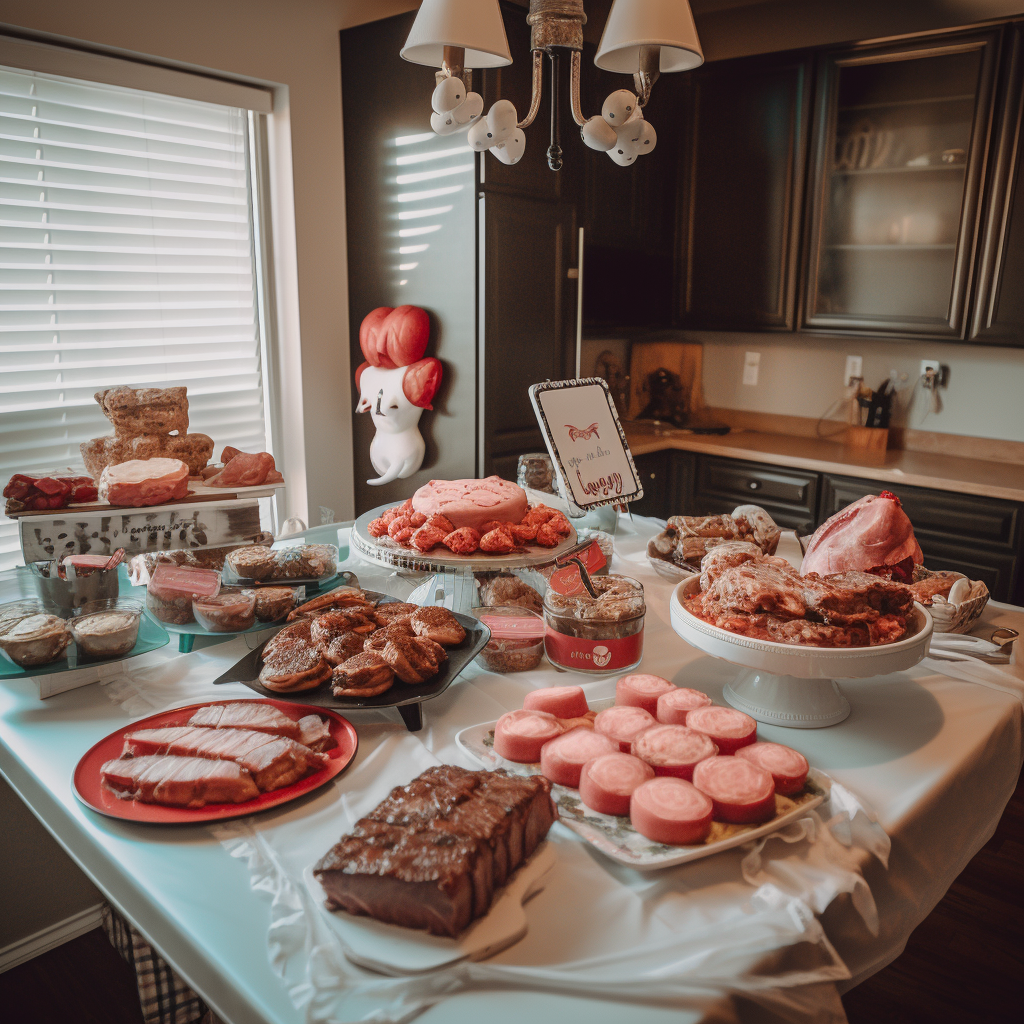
(402, 696)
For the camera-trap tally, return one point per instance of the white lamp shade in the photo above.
(475, 25)
(635, 23)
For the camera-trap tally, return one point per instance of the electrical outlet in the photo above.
(935, 374)
(929, 364)
(751, 366)
(854, 368)
(326, 515)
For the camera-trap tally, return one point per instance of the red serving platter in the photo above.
(88, 789)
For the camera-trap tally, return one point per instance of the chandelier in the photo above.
(642, 38)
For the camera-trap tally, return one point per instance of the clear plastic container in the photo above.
(171, 589)
(107, 629)
(596, 635)
(517, 638)
(233, 610)
(301, 563)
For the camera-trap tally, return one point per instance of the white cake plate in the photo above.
(791, 684)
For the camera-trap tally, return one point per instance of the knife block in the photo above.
(868, 438)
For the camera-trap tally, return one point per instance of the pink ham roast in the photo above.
(519, 735)
(671, 811)
(787, 767)
(641, 691)
(623, 724)
(607, 782)
(560, 701)
(673, 749)
(870, 533)
(141, 482)
(742, 793)
(674, 705)
(730, 729)
(472, 502)
(562, 759)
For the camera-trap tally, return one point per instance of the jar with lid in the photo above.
(517, 638)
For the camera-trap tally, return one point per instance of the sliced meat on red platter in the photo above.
(671, 811)
(729, 728)
(673, 749)
(315, 733)
(519, 735)
(562, 759)
(641, 691)
(273, 761)
(247, 715)
(560, 701)
(674, 705)
(607, 782)
(788, 767)
(742, 792)
(178, 781)
(623, 724)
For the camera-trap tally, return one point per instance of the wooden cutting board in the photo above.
(683, 358)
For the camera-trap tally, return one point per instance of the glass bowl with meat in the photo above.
(108, 628)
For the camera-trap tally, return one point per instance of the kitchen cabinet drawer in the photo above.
(996, 571)
(667, 477)
(790, 496)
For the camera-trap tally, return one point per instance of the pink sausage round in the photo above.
(670, 811)
(519, 735)
(623, 724)
(562, 759)
(741, 792)
(560, 701)
(788, 767)
(673, 749)
(607, 782)
(729, 728)
(641, 691)
(675, 705)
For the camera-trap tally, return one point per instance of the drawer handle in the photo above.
(754, 485)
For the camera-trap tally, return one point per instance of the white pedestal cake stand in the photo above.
(790, 684)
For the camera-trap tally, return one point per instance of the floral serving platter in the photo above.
(615, 837)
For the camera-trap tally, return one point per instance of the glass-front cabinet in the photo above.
(901, 140)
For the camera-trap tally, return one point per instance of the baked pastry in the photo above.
(342, 647)
(273, 603)
(439, 625)
(294, 663)
(363, 675)
(414, 659)
(377, 640)
(253, 562)
(338, 635)
(343, 597)
(472, 502)
(393, 611)
(509, 589)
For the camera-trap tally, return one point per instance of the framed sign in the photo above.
(586, 442)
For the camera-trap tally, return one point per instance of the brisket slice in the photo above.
(178, 781)
(432, 854)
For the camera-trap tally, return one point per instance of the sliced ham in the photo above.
(673, 749)
(787, 767)
(247, 715)
(141, 482)
(742, 793)
(671, 811)
(674, 705)
(607, 782)
(562, 759)
(730, 729)
(623, 724)
(178, 781)
(519, 735)
(641, 691)
(560, 701)
(315, 733)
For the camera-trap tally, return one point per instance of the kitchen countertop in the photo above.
(920, 469)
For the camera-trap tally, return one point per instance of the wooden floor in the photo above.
(964, 964)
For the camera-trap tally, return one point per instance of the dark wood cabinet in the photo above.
(790, 496)
(901, 145)
(743, 176)
(667, 477)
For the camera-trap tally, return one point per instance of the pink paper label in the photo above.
(593, 557)
(504, 626)
(567, 580)
(593, 655)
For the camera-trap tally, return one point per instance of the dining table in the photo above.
(776, 929)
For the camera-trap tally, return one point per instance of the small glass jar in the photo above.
(596, 635)
(517, 638)
(536, 472)
(35, 639)
(233, 610)
(107, 629)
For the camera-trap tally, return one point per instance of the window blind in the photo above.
(126, 257)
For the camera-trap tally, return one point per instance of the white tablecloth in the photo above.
(786, 928)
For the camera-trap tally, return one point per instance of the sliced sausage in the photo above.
(674, 705)
(670, 811)
(673, 749)
(624, 724)
(563, 758)
(519, 735)
(560, 701)
(607, 782)
(729, 728)
(788, 767)
(641, 691)
(742, 792)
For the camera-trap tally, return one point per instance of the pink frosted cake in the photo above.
(472, 502)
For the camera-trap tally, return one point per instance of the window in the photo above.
(127, 256)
